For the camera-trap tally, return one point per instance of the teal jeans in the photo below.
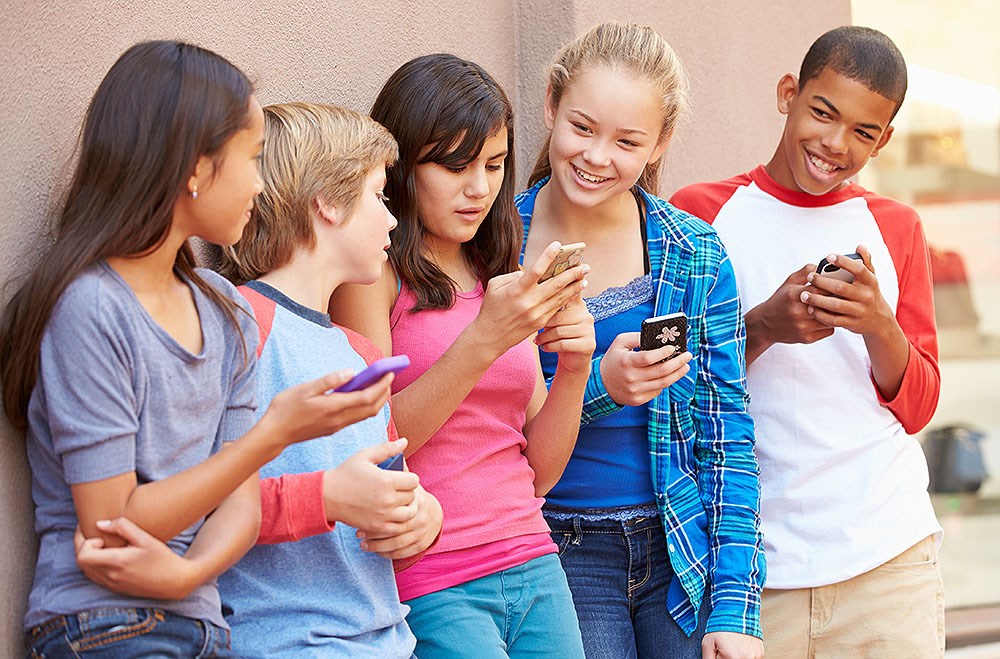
(524, 611)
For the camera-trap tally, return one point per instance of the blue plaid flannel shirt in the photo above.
(701, 437)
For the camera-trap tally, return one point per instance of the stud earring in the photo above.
(194, 193)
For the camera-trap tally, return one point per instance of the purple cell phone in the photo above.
(374, 373)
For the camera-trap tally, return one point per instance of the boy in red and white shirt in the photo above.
(841, 375)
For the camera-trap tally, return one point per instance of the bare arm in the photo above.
(143, 566)
(553, 416)
(166, 507)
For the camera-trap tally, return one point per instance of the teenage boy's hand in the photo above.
(859, 307)
(730, 645)
(416, 536)
(783, 318)
(361, 494)
(635, 377)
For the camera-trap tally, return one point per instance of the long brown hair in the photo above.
(636, 49)
(160, 107)
(454, 105)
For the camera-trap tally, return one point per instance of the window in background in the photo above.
(944, 160)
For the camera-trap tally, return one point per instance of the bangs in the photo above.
(459, 135)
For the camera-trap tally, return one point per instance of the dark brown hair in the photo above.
(160, 107)
(452, 105)
(861, 54)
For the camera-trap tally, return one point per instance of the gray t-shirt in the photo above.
(116, 394)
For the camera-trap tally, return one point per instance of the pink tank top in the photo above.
(474, 463)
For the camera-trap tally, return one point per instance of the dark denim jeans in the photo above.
(618, 571)
(126, 632)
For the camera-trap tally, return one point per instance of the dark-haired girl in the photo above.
(485, 436)
(129, 369)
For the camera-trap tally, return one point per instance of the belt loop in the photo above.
(577, 532)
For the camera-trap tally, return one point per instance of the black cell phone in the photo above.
(569, 256)
(668, 330)
(828, 269)
(395, 463)
(374, 373)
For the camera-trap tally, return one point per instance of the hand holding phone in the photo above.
(660, 331)
(374, 373)
(569, 256)
(395, 463)
(828, 269)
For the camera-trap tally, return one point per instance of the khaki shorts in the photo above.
(895, 610)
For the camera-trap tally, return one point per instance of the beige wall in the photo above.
(53, 54)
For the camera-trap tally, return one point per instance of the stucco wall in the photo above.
(53, 54)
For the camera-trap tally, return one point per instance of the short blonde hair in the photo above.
(637, 49)
(310, 150)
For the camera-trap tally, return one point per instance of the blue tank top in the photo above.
(609, 467)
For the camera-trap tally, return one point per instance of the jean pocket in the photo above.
(102, 627)
(924, 553)
(563, 541)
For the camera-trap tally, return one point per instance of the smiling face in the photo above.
(834, 125)
(228, 183)
(452, 202)
(605, 130)
(365, 232)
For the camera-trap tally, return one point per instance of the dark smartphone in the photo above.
(569, 256)
(660, 331)
(374, 373)
(395, 463)
(828, 269)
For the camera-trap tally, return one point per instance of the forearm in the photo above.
(597, 402)
(551, 434)
(422, 408)
(889, 352)
(757, 340)
(227, 534)
(166, 507)
(292, 508)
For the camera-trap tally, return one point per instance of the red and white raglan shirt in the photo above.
(843, 481)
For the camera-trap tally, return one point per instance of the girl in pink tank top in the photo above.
(485, 435)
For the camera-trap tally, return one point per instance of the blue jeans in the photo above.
(127, 632)
(523, 611)
(618, 570)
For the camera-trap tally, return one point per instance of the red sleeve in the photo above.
(917, 399)
(705, 200)
(292, 508)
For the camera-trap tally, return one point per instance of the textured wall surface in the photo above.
(53, 55)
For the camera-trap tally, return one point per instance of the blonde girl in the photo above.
(656, 513)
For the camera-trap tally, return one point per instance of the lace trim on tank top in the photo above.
(600, 514)
(618, 299)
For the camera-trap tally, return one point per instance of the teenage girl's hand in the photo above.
(783, 317)
(144, 567)
(730, 645)
(570, 333)
(516, 305)
(307, 410)
(416, 535)
(635, 377)
(361, 494)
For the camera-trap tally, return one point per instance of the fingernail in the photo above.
(831, 258)
(583, 283)
(586, 268)
(804, 297)
(103, 523)
(810, 276)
